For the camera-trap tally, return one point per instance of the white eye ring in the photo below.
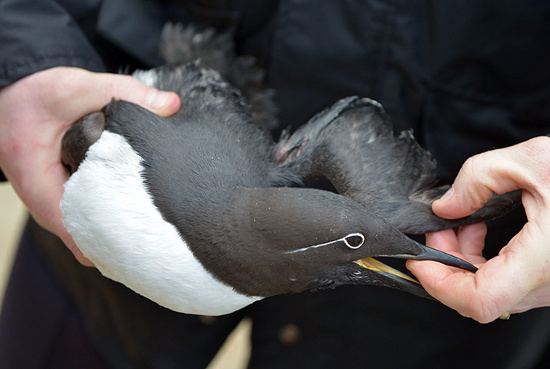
(354, 245)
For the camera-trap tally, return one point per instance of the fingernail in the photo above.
(157, 99)
(448, 194)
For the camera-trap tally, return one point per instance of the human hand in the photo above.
(516, 280)
(36, 112)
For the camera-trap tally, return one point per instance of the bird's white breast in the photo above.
(116, 225)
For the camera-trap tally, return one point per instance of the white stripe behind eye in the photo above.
(343, 239)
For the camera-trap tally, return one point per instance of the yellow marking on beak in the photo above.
(377, 266)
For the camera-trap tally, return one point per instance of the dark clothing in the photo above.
(40, 327)
(468, 76)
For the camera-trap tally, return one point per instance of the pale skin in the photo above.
(36, 112)
(518, 279)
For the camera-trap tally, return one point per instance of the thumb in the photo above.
(95, 90)
(497, 171)
(128, 88)
(473, 187)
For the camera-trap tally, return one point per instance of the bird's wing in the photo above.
(353, 145)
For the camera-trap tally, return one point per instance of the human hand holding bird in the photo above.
(37, 110)
(518, 279)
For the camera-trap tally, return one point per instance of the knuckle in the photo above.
(537, 150)
(536, 153)
(539, 144)
(478, 191)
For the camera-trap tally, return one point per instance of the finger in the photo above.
(39, 179)
(45, 210)
(499, 286)
(71, 245)
(431, 272)
(95, 90)
(445, 240)
(467, 243)
(450, 287)
(471, 241)
(127, 88)
(467, 293)
(43, 189)
(497, 171)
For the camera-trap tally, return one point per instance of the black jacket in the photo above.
(468, 76)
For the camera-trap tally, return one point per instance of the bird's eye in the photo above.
(354, 240)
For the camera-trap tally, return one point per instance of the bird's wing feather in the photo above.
(353, 145)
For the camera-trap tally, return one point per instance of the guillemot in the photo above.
(204, 214)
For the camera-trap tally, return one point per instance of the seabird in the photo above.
(203, 213)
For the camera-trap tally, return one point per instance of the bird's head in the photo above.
(288, 240)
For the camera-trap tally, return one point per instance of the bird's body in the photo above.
(136, 171)
(128, 239)
(201, 212)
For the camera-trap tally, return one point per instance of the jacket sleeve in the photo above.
(36, 35)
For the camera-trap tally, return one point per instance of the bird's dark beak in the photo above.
(405, 282)
(427, 253)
